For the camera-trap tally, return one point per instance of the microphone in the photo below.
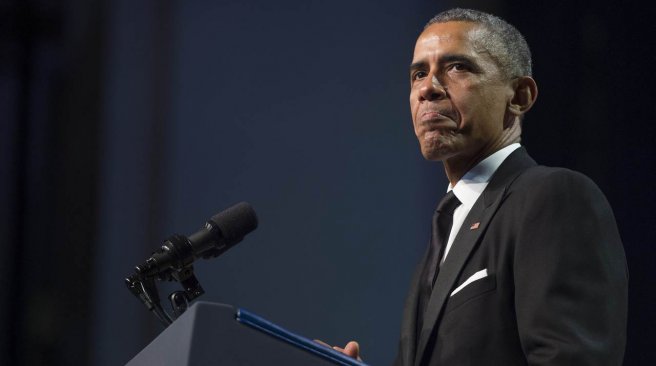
(219, 234)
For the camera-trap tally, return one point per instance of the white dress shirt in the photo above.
(471, 186)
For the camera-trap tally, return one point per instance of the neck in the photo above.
(457, 166)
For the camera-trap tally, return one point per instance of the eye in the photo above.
(418, 75)
(459, 66)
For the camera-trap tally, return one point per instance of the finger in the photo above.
(323, 343)
(352, 349)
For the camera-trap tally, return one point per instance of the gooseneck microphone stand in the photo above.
(144, 286)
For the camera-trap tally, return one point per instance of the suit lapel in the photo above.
(408, 332)
(480, 216)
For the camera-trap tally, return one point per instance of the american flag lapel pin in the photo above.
(475, 225)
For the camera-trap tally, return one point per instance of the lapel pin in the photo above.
(475, 226)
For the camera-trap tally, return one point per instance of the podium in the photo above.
(215, 334)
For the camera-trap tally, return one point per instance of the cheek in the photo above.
(413, 102)
(414, 105)
(477, 108)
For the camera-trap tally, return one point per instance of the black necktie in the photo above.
(442, 222)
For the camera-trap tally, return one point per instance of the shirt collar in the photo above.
(472, 184)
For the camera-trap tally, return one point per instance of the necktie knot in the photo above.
(448, 204)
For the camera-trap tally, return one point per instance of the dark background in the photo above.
(125, 121)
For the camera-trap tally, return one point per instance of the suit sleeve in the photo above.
(570, 274)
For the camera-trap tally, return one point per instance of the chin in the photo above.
(438, 146)
(434, 154)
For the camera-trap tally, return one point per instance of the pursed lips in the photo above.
(436, 118)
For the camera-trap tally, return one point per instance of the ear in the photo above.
(525, 93)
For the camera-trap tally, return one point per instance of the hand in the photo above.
(352, 349)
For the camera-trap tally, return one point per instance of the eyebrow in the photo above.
(417, 65)
(445, 59)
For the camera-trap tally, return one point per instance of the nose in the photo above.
(432, 89)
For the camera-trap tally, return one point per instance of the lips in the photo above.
(433, 115)
(436, 109)
(433, 118)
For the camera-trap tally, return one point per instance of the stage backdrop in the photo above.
(300, 109)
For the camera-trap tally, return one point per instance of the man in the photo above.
(530, 268)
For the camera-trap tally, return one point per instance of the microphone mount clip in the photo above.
(143, 284)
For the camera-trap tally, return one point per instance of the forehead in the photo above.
(456, 36)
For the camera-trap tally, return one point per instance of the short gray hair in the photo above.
(504, 42)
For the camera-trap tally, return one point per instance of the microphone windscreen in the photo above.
(235, 222)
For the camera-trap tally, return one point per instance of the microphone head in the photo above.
(235, 222)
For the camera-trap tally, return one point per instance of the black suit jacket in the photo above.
(556, 289)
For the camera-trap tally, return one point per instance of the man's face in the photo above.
(458, 94)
